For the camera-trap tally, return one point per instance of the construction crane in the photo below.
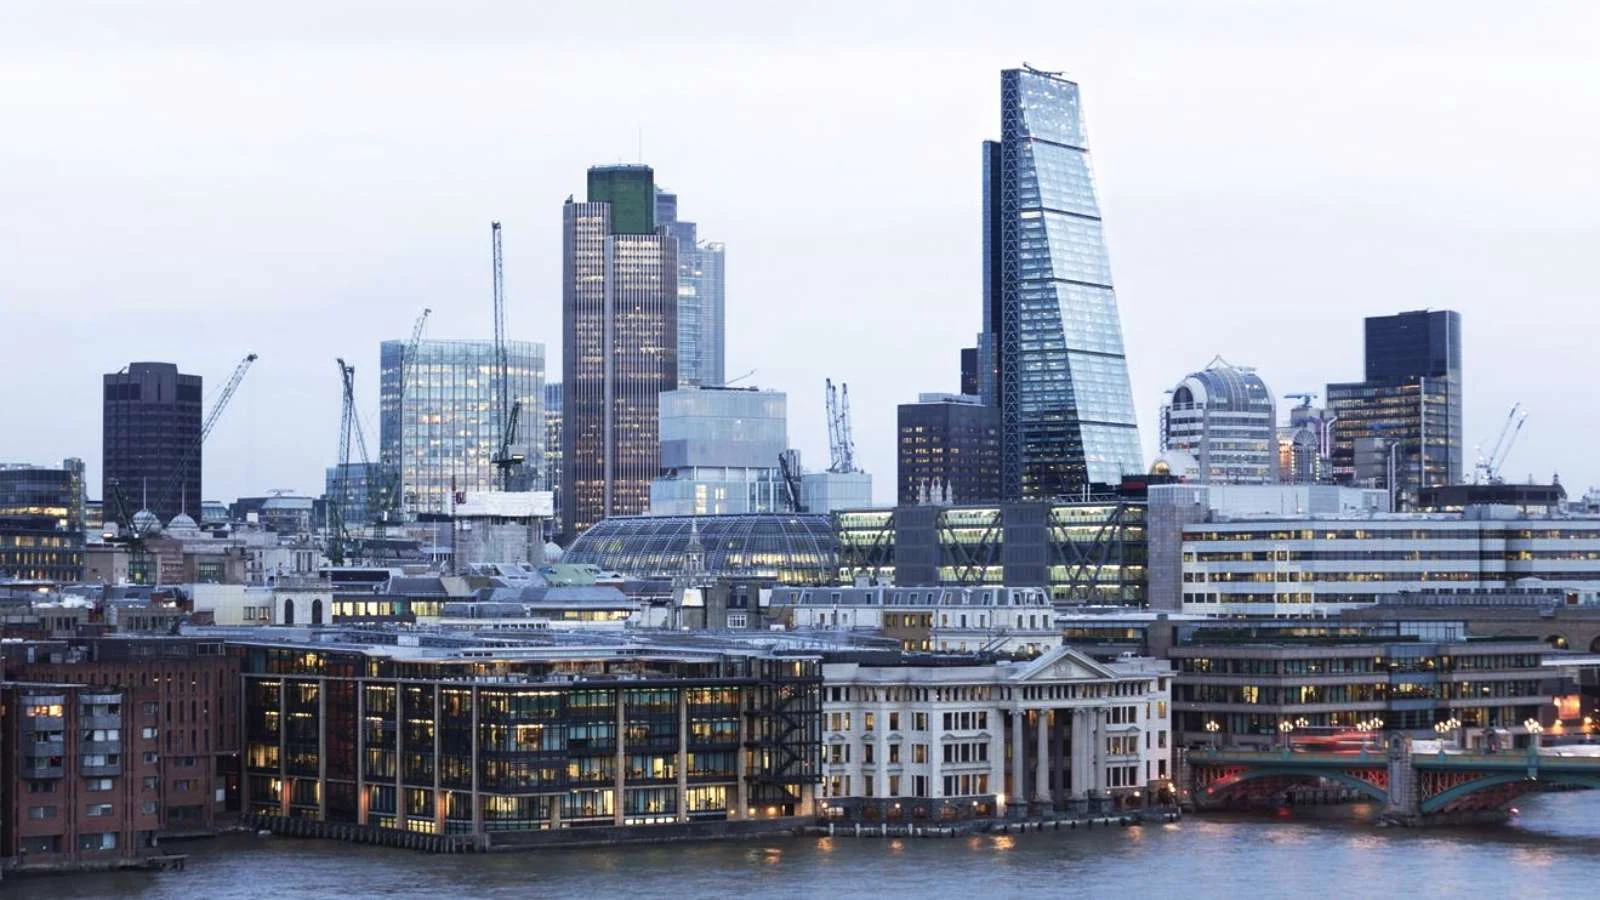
(133, 527)
(841, 445)
(339, 539)
(1489, 468)
(505, 414)
(1306, 399)
(391, 506)
(789, 468)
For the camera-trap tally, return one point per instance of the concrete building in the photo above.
(998, 620)
(1401, 427)
(939, 739)
(949, 450)
(1225, 417)
(441, 433)
(1308, 566)
(1081, 553)
(1051, 355)
(719, 452)
(151, 441)
(619, 345)
(1174, 506)
(500, 527)
(702, 289)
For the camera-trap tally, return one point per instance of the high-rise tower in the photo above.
(1051, 353)
(701, 345)
(152, 422)
(619, 345)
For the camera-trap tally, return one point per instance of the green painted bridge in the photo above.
(1415, 788)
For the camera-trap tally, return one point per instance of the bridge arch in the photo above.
(1219, 789)
(1445, 799)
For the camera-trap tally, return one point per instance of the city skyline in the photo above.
(1234, 225)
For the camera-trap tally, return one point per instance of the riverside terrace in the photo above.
(430, 734)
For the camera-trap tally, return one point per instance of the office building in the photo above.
(719, 452)
(949, 450)
(355, 491)
(440, 432)
(1267, 690)
(464, 739)
(1051, 355)
(1312, 565)
(931, 739)
(151, 442)
(1224, 416)
(42, 527)
(701, 305)
(824, 492)
(1003, 620)
(552, 452)
(619, 345)
(1305, 445)
(1082, 553)
(1401, 428)
(786, 548)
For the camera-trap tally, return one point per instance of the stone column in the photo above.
(1041, 762)
(741, 764)
(1082, 753)
(1016, 796)
(619, 777)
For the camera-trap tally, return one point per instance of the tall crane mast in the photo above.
(393, 476)
(841, 445)
(846, 436)
(503, 418)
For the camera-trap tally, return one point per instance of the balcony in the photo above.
(103, 747)
(42, 723)
(106, 771)
(89, 723)
(41, 772)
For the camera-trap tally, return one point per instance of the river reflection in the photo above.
(1553, 849)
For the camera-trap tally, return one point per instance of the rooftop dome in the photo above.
(1223, 385)
(790, 548)
(145, 521)
(1178, 463)
(181, 523)
(553, 552)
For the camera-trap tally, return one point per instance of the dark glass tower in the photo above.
(151, 421)
(619, 345)
(1401, 428)
(1051, 353)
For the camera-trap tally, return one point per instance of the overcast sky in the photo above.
(190, 181)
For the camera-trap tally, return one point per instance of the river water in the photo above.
(1551, 850)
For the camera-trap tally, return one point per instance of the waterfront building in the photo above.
(949, 450)
(1224, 416)
(163, 749)
(719, 452)
(908, 738)
(1308, 566)
(1174, 506)
(1263, 691)
(459, 738)
(1081, 553)
(1002, 620)
(702, 286)
(787, 548)
(440, 432)
(151, 456)
(619, 345)
(1401, 428)
(552, 452)
(76, 779)
(42, 522)
(1051, 355)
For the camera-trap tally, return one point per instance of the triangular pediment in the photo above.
(1063, 664)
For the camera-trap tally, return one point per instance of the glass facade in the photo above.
(552, 450)
(1052, 342)
(443, 432)
(949, 451)
(152, 419)
(619, 350)
(701, 289)
(1226, 418)
(1402, 428)
(791, 549)
(719, 452)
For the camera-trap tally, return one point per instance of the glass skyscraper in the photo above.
(619, 285)
(701, 347)
(1051, 353)
(443, 433)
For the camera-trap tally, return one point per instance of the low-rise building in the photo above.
(909, 738)
(1004, 620)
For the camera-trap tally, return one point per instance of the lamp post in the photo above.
(1534, 730)
(1285, 728)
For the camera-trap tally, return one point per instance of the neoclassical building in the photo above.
(907, 738)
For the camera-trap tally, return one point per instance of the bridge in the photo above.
(1412, 788)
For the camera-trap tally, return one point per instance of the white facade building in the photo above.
(1000, 620)
(931, 742)
(1318, 566)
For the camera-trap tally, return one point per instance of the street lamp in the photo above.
(1212, 727)
(1285, 727)
(1534, 730)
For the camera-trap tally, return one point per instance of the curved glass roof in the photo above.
(1225, 386)
(788, 547)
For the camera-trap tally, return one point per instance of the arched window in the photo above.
(288, 611)
(316, 611)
